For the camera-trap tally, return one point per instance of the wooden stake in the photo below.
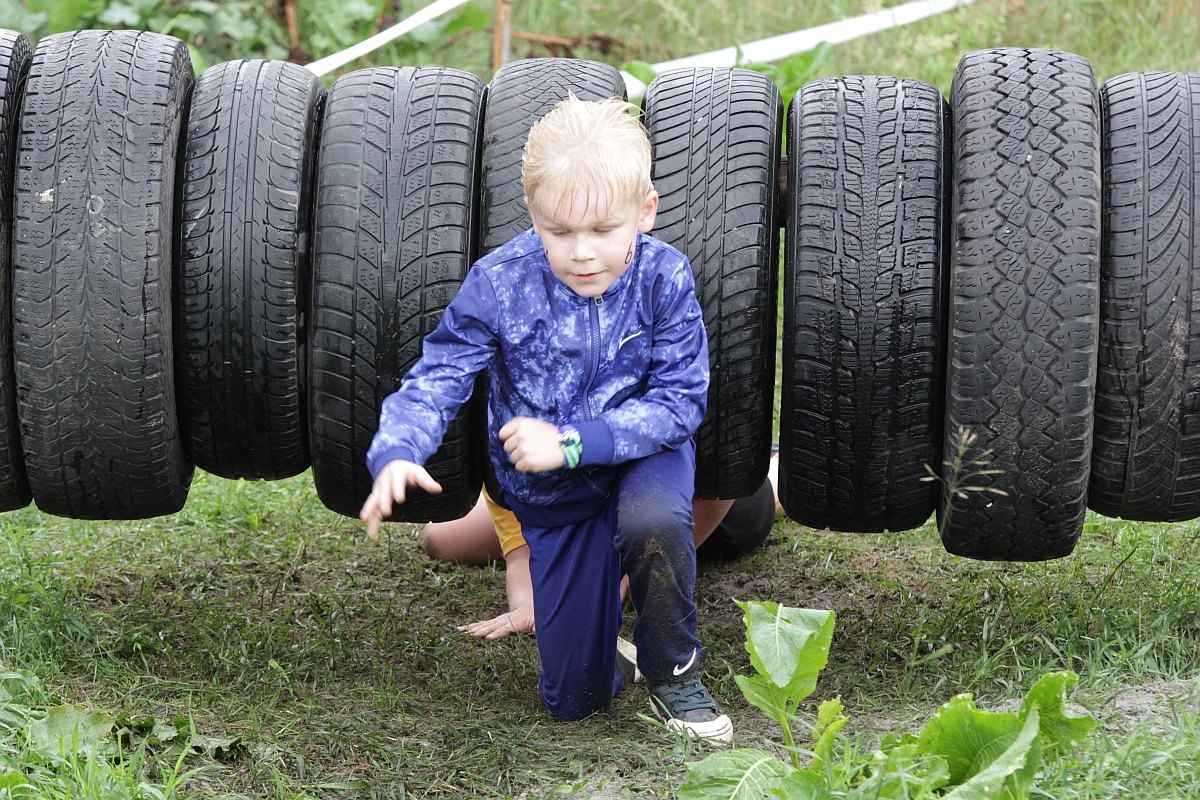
(289, 8)
(503, 34)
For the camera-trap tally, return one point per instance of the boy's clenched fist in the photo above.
(532, 444)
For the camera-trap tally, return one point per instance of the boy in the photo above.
(598, 360)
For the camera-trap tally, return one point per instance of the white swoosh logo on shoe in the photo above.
(680, 670)
(627, 338)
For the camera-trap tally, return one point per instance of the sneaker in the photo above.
(688, 707)
(627, 662)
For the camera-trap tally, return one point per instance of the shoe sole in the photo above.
(715, 730)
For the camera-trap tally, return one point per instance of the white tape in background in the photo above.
(790, 44)
(432, 11)
(762, 51)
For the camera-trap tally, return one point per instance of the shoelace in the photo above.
(689, 695)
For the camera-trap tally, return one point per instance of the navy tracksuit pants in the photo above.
(645, 532)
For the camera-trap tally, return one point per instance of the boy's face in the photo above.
(589, 241)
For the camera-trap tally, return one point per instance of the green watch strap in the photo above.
(572, 447)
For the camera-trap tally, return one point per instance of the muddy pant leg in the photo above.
(577, 610)
(654, 536)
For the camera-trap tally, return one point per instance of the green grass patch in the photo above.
(334, 661)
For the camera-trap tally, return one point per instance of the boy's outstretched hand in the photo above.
(532, 444)
(393, 479)
(519, 619)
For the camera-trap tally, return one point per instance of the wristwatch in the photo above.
(572, 447)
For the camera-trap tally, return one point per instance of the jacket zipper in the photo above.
(594, 365)
(593, 370)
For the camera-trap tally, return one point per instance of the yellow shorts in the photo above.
(507, 527)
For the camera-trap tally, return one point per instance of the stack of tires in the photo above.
(987, 303)
(1002, 290)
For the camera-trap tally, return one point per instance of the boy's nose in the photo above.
(582, 251)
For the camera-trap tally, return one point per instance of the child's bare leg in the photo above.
(470, 540)
(706, 516)
(520, 601)
(773, 477)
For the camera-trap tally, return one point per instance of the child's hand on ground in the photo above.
(390, 486)
(532, 445)
(519, 619)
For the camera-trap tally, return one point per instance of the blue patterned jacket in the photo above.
(629, 369)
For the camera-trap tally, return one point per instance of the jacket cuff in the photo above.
(598, 445)
(377, 462)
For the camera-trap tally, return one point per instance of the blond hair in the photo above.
(600, 146)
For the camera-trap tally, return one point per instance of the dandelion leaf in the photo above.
(830, 720)
(788, 645)
(68, 727)
(1059, 727)
(740, 774)
(803, 785)
(988, 755)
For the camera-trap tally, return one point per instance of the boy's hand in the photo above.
(519, 619)
(390, 485)
(532, 445)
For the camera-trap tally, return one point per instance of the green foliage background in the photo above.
(226, 29)
(1117, 35)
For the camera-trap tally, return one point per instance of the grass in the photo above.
(333, 660)
(1116, 35)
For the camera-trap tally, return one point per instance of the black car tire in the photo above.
(1024, 304)
(521, 93)
(245, 221)
(861, 407)
(716, 136)
(92, 278)
(395, 234)
(1146, 451)
(14, 66)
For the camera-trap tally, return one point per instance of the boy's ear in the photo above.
(649, 211)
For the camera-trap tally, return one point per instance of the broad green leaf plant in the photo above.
(59, 751)
(963, 753)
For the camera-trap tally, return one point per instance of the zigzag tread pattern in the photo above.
(14, 65)
(243, 241)
(1024, 299)
(92, 277)
(395, 234)
(715, 135)
(861, 411)
(1146, 451)
(521, 93)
